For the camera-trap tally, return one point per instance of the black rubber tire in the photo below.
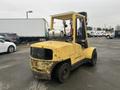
(93, 61)
(11, 49)
(62, 72)
(108, 37)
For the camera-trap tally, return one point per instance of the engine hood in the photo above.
(51, 44)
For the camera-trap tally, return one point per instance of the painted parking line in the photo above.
(37, 85)
(7, 66)
(22, 51)
(4, 86)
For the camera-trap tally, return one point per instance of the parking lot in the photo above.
(15, 73)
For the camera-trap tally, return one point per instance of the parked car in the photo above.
(93, 33)
(110, 35)
(5, 46)
(11, 37)
(2, 37)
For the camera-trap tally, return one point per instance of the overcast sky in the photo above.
(100, 12)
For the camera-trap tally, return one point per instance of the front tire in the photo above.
(93, 60)
(11, 49)
(62, 72)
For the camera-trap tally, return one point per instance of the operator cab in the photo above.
(65, 30)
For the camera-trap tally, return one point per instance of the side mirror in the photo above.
(48, 29)
(66, 25)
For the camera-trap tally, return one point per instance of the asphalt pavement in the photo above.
(15, 72)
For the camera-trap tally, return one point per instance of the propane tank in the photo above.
(56, 33)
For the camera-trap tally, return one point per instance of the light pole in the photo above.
(27, 12)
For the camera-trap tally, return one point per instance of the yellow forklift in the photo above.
(65, 50)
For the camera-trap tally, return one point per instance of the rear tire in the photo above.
(11, 49)
(93, 61)
(62, 72)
